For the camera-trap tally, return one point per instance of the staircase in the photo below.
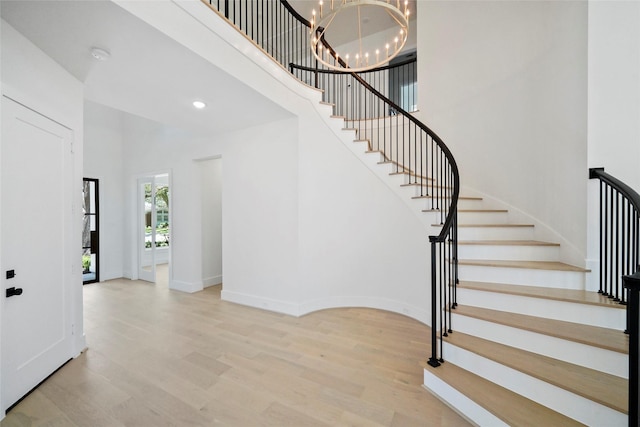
(530, 346)
(526, 331)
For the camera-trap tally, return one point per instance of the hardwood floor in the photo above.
(164, 358)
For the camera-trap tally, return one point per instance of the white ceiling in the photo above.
(148, 74)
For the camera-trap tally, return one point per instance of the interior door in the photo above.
(90, 231)
(147, 229)
(35, 219)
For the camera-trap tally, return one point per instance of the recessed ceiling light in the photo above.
(199, 104)
(100, 54)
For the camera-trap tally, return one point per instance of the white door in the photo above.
(35, 219)
(148, 228)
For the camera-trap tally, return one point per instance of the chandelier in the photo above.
(365, 56)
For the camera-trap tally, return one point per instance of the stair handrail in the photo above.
(446, 270)
(448, 222)
(620, 200)
(612, 192)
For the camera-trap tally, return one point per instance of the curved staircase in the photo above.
(530, 346)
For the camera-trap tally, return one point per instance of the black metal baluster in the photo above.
(617, 249)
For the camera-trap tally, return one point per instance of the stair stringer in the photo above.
(384, 171)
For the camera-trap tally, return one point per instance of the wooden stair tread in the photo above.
(606, 389)
(556, 294)
(482, 211)
(327, 103)
(506, 243)
(448, 197)
(595, 336)
(534, 265)
(427, 185)
(510, 407)
(494, 225)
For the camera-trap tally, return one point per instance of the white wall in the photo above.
(103, 150)
(614, 103)
(211, 175)
(614, 89)
(33, 79)
(504, 85)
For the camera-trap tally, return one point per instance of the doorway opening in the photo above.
(154, 237)
(90, 231)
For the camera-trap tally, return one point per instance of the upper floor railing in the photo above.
(377, 104)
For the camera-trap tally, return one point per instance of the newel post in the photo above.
(433, 360)
(632, 283)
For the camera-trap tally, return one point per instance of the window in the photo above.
(403, 82)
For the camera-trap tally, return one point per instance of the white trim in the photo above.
(302, 309)
(178, 285)
(212, 281)
(278, 306)
(405, 309)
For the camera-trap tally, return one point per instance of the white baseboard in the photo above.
(405, 309)
(110, 275)
(294, 309)
(278, 306)
(212, 281)
(178, 285)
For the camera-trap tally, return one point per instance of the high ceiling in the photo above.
(372, 19)
(148, 74)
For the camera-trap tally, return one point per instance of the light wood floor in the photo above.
(164, 358)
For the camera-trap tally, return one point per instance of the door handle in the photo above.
(13, 291)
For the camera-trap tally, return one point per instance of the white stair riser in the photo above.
(482, 218)
(608, 361)
(560, 400)
(509, 252)
(613, 318)
(461, 403)
(462, 204)
(522, 276)
(427, 189)
(409, 179)
(470, 204)
(495, 233)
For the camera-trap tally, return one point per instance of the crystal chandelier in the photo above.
(363, 57)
